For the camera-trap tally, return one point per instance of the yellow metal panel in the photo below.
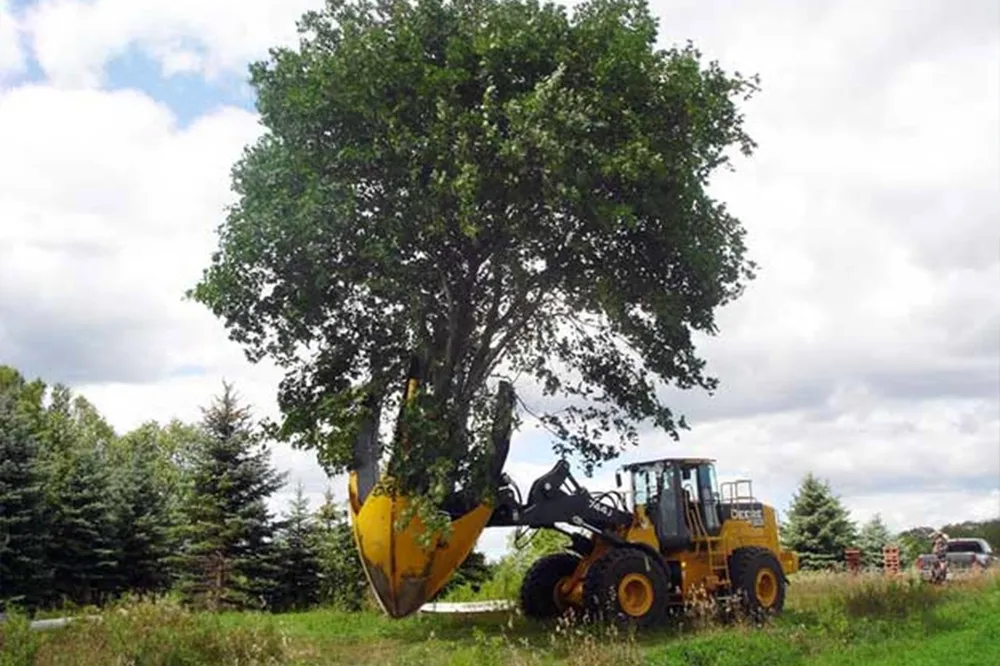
(642, 531)
(403, 574)
(696, 573)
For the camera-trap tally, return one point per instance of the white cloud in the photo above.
(75, 40)
(109, 211)
(867, 351)
(12, 59)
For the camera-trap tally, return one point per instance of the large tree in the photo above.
(494, 185)
(819, 528)
(227, 555)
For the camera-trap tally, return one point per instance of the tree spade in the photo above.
(497, 186)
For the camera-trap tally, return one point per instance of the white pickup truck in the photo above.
(962, 554)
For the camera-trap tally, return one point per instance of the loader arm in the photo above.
(556, 497)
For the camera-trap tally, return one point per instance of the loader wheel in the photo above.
(539, 591)
(758, 578)
(628, 587)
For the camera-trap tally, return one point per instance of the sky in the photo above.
(866, 352)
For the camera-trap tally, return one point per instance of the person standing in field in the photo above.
(941, 553)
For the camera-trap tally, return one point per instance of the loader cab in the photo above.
(680, 496)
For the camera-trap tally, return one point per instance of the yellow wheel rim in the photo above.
(635, 594)
(766, 587)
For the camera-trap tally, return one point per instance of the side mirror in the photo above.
(618, 479)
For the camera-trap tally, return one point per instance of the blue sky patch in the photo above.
(189, 95)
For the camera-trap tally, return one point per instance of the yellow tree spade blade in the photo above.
(403, 574)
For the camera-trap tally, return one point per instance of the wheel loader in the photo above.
(666, 535)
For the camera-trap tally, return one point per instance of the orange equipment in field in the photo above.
(890, 560)
(853, 559)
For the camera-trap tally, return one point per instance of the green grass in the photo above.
(830, 620)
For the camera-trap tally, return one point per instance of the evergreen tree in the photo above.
(818, 527)
(24, 571)
(171, 451)
(84, 546)
(144, 518)
(298, 550)
(343, 582)
(228, 558)
(873, 538)
(474, 571)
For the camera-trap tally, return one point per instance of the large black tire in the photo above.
(539, 599)
(628, 587)
(758, 581)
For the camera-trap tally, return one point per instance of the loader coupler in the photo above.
(403, 573)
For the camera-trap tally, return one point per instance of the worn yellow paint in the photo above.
(641, 530)
(404, 574)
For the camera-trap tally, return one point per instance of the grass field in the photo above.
(830, 619)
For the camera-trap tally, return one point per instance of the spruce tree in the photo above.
(24, 570)
(298, 551)
(874, 536)
(343, 582)
(473, 572)
(228, 558)
(818, 526)
(144, 518)
(84, 548)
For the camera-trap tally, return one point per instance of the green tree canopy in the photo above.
(914, 542)
(979, 529)
(496, 185)
(818, 527)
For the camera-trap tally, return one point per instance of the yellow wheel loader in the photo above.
(670, 538)
(671, 535)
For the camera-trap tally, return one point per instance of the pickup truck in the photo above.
(961, 554)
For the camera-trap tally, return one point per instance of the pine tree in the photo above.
(84, 546)
(473, 572)
(298, 550)
(24, 570)
(818, 527)
(228, 558)
(144, 519)
(343, 582)
(874, 536)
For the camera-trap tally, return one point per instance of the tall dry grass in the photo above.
(823, 610)
(142, 633)
(876, 595)
(822, 606)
